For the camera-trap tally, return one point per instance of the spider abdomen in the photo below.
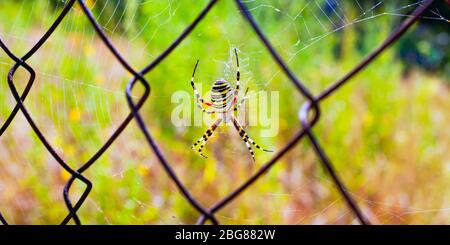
(221, 94)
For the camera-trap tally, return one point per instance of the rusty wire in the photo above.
(311, 106)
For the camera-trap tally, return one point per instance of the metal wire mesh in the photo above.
(309, 113)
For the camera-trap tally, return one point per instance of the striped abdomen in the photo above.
(221, 94)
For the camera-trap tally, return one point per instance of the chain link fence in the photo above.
(308, 114)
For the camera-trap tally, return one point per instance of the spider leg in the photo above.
(238, 105)
(198, 99)
(202, 141)
(247, 138)
(208, 112)
(238, 73)
(249, 147)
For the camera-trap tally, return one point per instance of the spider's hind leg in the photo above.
(247, 138)
(202, 141)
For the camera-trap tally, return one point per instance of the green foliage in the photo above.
(386, 133)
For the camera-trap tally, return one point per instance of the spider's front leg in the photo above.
(238, 74)
(238, 82)
(238, 105)
(206, 136)
(198, 99)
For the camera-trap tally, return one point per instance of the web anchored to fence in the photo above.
(309, 113)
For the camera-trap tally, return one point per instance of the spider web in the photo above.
(79, 100)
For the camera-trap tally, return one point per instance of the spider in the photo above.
(223, 97)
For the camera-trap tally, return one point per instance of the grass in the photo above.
(387, 134)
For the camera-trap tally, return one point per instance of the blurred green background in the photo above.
(386, 131)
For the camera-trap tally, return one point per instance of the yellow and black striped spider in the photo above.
(223, 97)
